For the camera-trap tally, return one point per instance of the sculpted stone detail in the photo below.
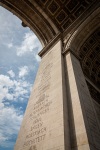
(37, 131)
(94, 93)
(60, 114)
(65, 12)
(33, 147)
(90, 57)
(53, 7)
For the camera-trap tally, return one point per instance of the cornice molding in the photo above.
(50, 45)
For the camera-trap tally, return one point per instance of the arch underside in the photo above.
(50, 18)
(85, 43)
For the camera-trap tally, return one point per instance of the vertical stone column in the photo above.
(43, 124)
(84, 129)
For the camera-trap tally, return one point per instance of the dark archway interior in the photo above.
(90, 61)
(48, 18)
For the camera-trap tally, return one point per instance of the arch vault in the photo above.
(63, 112)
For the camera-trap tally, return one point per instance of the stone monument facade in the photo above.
(63, 112)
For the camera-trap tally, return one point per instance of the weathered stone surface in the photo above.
(43, 124)
(84, 126)
(61, 115)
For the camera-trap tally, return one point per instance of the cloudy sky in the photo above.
(18, 66)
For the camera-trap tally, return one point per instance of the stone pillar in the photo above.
(43, 126)
(84, 128)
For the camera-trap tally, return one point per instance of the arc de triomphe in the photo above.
(63, 112)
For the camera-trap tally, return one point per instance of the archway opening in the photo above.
(19, 62)
(89, 54)
(85, 43)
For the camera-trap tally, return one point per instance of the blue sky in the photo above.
(18, 66)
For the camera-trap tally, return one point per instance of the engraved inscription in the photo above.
(35, 140)
(37, 130)
(33, 147)
(40, 107)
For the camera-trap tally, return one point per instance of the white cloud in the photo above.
(5, 81)
(14, 90)
(3, 93)
(10, 120)
(11, 89)
(38, 58)
(10, 45)
(23, 71)
(5, 84)
(10, 117)
(11, 73)
(29, 44)
(7, 29)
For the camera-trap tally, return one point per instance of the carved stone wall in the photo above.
(60, 115)
(90, 57)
